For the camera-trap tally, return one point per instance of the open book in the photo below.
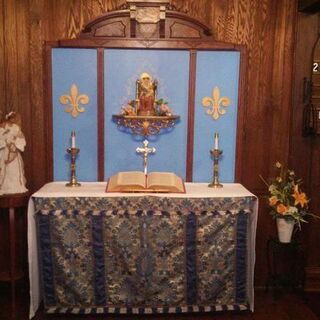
(136, 181)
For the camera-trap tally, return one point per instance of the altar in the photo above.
(92, 252)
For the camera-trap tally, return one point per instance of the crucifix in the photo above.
(145, 151)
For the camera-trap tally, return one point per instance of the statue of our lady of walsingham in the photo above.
(12, 143)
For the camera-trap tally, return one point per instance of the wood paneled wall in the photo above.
(266, 27)
(305, 151)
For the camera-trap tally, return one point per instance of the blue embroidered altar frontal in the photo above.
(157, 255)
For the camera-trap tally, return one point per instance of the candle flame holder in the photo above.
(216, 153)
(73, 179)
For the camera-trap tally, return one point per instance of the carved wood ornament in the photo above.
(146, 19)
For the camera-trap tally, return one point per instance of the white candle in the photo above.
(73, 139)
(216, 140)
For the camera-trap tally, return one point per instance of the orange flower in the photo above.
(273, 201)
(282, 209)
(299, 197)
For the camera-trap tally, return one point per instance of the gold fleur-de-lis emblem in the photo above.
(216, 103)
(74, 100)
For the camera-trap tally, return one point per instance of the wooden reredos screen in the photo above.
(93, 76)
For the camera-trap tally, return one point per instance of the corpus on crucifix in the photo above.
(145, 151)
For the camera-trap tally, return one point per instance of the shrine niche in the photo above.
(147, 114)
(184, 64)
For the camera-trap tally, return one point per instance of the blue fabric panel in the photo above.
(75, 66)
(122, 69)
(221, 69)
(241, 250)
(191, 258)
(98, 249)
(46, 259)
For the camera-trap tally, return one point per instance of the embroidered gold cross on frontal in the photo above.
(74, 100)
(215, 103)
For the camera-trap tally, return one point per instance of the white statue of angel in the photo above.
(12, 143)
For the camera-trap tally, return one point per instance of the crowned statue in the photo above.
(146, 91)
(12, 144)
(146, 102)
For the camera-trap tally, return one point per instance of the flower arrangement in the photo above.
(162, 108)
(286, 199)
(128, 109)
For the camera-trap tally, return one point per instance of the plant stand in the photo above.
(285, 266)
(12, 203)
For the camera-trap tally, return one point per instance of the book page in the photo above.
(132, 178)
(126, 181)
(166, 181)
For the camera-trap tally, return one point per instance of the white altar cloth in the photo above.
(97, 189)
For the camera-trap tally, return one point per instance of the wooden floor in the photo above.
(288, 306)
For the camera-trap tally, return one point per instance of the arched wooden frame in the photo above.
(164, 28)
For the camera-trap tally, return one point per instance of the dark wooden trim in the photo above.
(312, 279)
(15, 200)
(187, 44)
(132, 28)
(191, 107)
(184, 17)
(100, 112)
(241, 133)
(49, 107)
(101, 19)
(162, 29)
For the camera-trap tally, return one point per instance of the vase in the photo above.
(285, 229)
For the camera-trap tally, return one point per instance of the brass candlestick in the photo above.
(216, 153)
(73, 179)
